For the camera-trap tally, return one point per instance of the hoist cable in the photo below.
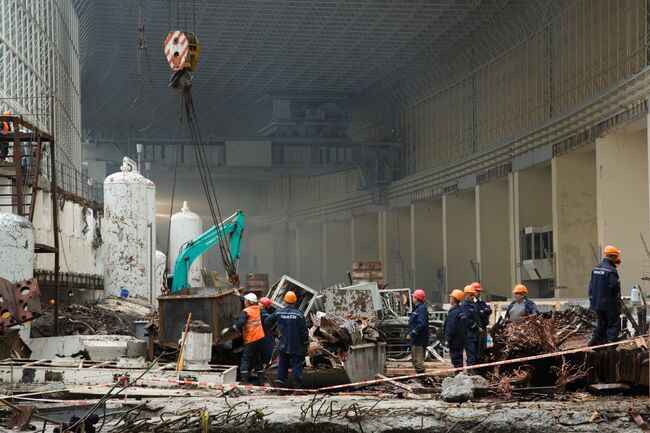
(207, 181)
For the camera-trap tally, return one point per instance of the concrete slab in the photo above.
(24, 371)
(95, 347)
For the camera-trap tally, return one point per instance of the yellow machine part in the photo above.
(193, 53)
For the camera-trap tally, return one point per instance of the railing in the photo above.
(72, 181)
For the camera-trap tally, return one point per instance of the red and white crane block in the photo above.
(176, 49)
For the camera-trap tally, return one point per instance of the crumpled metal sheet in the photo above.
(361, 300)
(19, 302)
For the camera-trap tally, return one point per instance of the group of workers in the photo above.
(464, 330)
(257, 326)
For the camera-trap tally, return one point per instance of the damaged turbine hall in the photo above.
(114, 371)
(324, 216)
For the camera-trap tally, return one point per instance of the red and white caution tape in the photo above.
(389, 379)
(487, 364)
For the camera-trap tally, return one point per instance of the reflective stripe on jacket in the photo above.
(252, 329)
(604, 287)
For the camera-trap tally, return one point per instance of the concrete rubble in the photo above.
(463, 387)
(101, 363)
(349, 413)
(107, 316)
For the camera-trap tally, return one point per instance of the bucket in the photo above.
(139, 330)
(124, 293)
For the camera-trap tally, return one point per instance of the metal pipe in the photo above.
(55, 222)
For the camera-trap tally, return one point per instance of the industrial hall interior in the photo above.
(324, 216)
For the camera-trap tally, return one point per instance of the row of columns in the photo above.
(592, 197)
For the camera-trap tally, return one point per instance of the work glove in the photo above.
(224, 331)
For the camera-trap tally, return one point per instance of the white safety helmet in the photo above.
(251, 297)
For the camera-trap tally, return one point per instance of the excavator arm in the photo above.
(232, 227)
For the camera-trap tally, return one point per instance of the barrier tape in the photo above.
(486, 364)
(396, 378)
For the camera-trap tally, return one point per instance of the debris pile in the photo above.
(544, 333)
(549, 332)
(108, 316)
(331, 338)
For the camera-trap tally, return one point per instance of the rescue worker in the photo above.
(417, 332)
(471, 325)
(294, 340)
(453, 329)
(521, 306)
(605, 297)
(484, 313)
(5, 128)
(268, 345)
(249, 324)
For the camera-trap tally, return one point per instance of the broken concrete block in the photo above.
(462, 387)
(135, 348)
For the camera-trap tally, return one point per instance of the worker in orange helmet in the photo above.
(521, 306)
(268, 345)
(453, 329)
(294, 340)
(605, 297)
(472, 325)
(484, 313)
(417, 332)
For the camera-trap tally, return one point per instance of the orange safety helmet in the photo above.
(457, 294)
(266, 302)
(419, 295)
(477, 286)
(520, 288)
(290, 298)
(469, 289)
(610, 250)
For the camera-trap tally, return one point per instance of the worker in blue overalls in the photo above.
(605, 298)
(484, 313)
(268, 345)
(453, 329)
(471, 324)
(294, 340)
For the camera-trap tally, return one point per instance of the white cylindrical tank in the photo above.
(198, 346)
(161, 262)
(185, 226)
(126, 233)
(16, 247)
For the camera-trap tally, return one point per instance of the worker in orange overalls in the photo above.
(249, 324)
(5, 128)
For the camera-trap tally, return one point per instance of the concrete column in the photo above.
(459, 227)
(493, 236)
(426, 247)
(533, 206)
(364, 236)
(575, 226)
(337, 252)
(309, 254)
(622, 193)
